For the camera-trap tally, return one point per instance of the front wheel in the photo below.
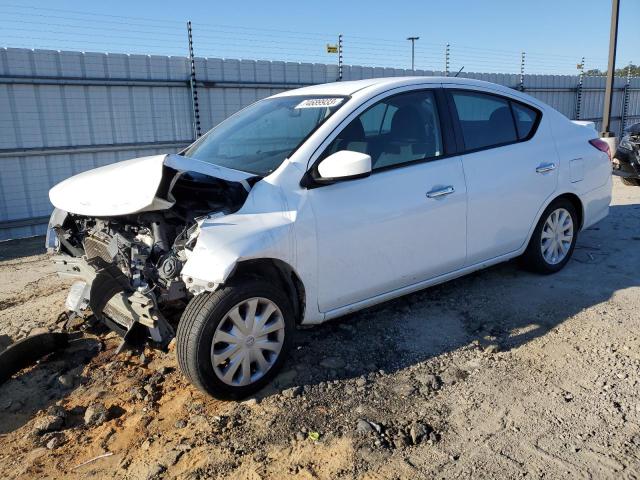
(553, 239)
(231, 342)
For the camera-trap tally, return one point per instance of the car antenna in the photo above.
(459, 71)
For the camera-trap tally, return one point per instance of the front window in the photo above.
(260, 137)
(398, 130)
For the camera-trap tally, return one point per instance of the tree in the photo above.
(619, 72)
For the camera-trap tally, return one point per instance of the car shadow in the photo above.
(497, 309)
(25, 247)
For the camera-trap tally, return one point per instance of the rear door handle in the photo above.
(441, 192)
(545, 167)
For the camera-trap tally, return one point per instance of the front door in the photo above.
(403, 224)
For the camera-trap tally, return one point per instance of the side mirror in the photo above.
(343, 165)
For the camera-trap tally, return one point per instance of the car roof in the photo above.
(352, 86)
(373, 86)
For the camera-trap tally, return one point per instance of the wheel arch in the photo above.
(278, 271)
(571, 197)
(577, 204)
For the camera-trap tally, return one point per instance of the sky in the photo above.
(483, 35)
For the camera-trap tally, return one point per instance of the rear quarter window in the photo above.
(526, 119)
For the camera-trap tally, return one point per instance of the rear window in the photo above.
(489, 121)
(486, 120)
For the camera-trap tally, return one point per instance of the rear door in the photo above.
(510, 165)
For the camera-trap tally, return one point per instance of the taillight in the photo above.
(601, 145)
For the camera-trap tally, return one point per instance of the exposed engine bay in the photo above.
(128, 266)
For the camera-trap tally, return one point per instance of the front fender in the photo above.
(225, 241)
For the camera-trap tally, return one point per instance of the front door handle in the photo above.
(441, 192)
(545, 167)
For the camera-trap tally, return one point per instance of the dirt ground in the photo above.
(501, 374)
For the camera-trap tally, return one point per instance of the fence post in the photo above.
(579, 90)
(340, 57)
(625, 101)
(192, 84)
(447, 53)
(521, 86)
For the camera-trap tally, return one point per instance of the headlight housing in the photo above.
(52, 242)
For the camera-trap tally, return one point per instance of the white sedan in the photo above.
(321, 201)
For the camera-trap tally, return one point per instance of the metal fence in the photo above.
(65, 112)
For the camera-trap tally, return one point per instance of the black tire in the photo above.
(631, 182)
(532, 259)
(198, 325)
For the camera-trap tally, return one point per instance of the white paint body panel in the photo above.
(115, 189)
(262, 228)
(345, 164)
(360, 242)
(381, 233)
(505, 192)
(128, 187)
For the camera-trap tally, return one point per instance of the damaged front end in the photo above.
(128, 266)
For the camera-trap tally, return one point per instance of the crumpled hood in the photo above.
(130, 186)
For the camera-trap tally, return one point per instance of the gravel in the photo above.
(418, 431)
(96, 415)
(292, 392)
(334, 363)
(66, 380)
(409, 389)
(48, 423)
(363, 426)
(55, 440)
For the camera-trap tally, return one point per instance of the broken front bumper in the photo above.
(104, 289)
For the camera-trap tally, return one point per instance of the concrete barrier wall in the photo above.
(65, 112)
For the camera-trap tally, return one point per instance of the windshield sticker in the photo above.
(319, 103)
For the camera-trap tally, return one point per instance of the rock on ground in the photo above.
(96, 414)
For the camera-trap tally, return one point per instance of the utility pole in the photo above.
(608, 94)
(413, 51)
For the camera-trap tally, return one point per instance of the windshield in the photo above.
(260, 137)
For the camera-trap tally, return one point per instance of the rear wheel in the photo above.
(553, 239)
(632, 182)
(231, 342)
